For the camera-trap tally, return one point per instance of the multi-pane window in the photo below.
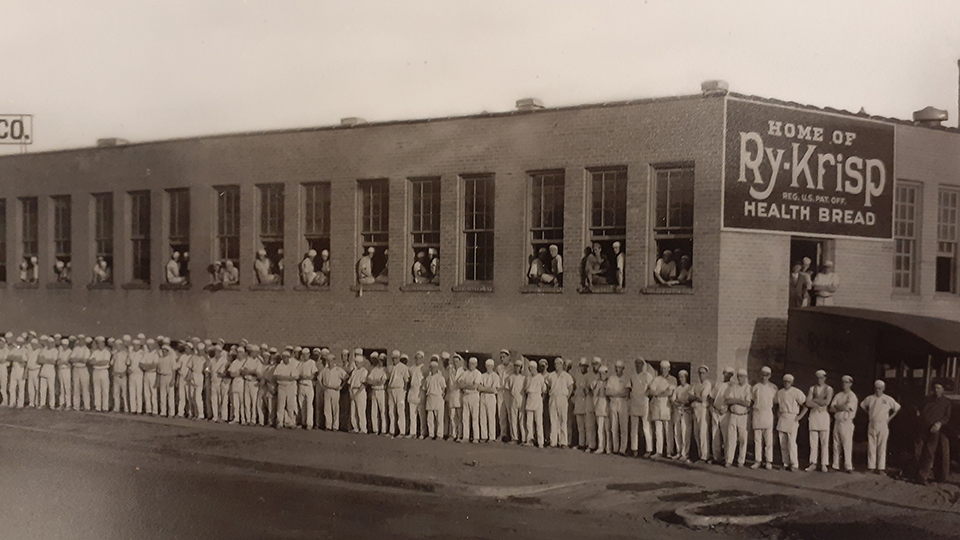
(103, 236)
(546, 229)
(316, 214)
(673, 226)
(29, 271)
(608, 228)
(478, 215)
(271, 234)
(946, 279)
(61, 237)
(178, 271)
(140, 235)
(228, 225)
(375, 224)
(425, 230)
(905, 233)
(3, 240)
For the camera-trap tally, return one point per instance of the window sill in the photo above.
(59, 285)
(420, 287)
(136, 286)
(99, 286)
(269, 287)
(312, 288)
(601, 289)
(943, 295)
(474, 286)
(23, 285)
(373, 287)
(677, 289)
(172, 287)
(540, 289)
(219, 287)
(906, 295)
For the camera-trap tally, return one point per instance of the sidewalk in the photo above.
(492, 470)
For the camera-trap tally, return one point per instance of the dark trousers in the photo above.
(931, 442)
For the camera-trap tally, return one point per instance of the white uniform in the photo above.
(843, 427)
(64, 378)
(81, 378)
(358, 399)
(534, 388)
(789, 401)
(879, 410)
(701, 418)
(764, 395)
(397, 380)
(660, 413)
(377, 380)
(332, 380)
(639, 409)
(135, 381)
(819, 424)
(559, 387)
(287, 375)
(719, 420)
(682, 419)
(468, 383)
(435, 385)
(305, 392)
(490, 387)
(737, 428)
(415, 395)
(617, 390)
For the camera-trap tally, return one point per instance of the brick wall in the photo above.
(678, 327)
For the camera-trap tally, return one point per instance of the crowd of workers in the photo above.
(447, 396)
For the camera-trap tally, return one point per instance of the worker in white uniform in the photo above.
(135, 376)
(64, 377)
(18, 363)
(559, 388)
(581, 398)
(435, 385)
(592, 375)
(639, 408)
(118, 371)
(764, 395)
(357, 388)
(453, 372)
(81, 374)
(181, 375)
(700, 404)
(100, 359)
(377, 380)
(398, 377)
(659, 391)
(880, 409)
(306, 380)
(235, 372)
(533, 389)
(196, 381)
(252, 370)
(415, 395)
(168, 364)
(791, 408)
(489, 388)
(601, 408)
(332, 381)
(720, 415)
(818, 400)
(33, 371)
(515, 385)
(680, 401)
(504, 369)
(617, 390)
(469, 384)
(844, 409)
(739, 397)
(48, 373)
(287, 376)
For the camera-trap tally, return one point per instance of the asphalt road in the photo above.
(58, 487)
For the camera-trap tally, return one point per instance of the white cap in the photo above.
(766, 370)
(879, 384)
(788, 378)
(820, 373)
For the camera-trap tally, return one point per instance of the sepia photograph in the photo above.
(655, 269)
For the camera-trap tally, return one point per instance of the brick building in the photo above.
(486, 191)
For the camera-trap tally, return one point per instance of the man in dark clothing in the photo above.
(934, 416)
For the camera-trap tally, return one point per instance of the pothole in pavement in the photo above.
(640, 487)
(747, 510)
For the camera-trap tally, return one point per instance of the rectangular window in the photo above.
(228, 225)
(61, 237)
(673, 226)
(316, 214)
(546, 229)
(425, 230)
(103, 236)
(140, 235)
(3, 240)
(608, 228)
(905, 233)
(374, 227)
(478, 215)
(179, 237)
(271, 234)
(29, 269)
(947, 241)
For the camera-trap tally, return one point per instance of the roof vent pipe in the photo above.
(529, 104)
(714, 88)
(930, 117)
(352, 121)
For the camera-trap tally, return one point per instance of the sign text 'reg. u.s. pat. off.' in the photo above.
(806, 172)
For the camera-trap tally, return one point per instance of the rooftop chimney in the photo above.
(111, 141)
(529, 104)
(930, 117)
(714, 88)
(352, 121)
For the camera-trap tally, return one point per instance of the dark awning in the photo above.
(942, 334)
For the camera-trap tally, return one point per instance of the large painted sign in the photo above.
(806, 172)
(16, 129)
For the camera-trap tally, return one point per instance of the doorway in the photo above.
(817, 251)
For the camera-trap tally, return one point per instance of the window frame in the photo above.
(548, 235)
(374, 194)
(671, 233)
(428, 208)
(227, 232)
(468, 272)
(947, 241)
(30, 227)
(140, 236)
(179, 213)
(909, 275)
(314, 205)
(62, 227)
(104, 216)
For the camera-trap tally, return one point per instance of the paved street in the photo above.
(86, 475)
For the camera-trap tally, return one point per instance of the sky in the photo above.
(151, 70)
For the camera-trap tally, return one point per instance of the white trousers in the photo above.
(636, 424)
(358, 411)
(843, 440)
(471, 417)
(619, 425)
(558, 422)
(535, 427)
(788, 448)
(396, 401)
(488, 417)
(683, 431)
(877, 446)
(820, 447)
(763, 445)
(737, 438)
(135, 382)
(701, 430)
